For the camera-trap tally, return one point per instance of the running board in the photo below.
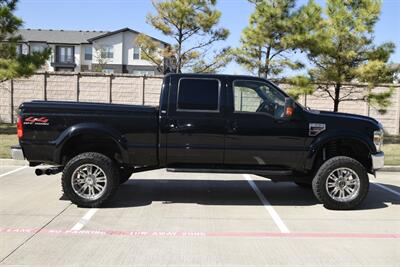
(242, 171)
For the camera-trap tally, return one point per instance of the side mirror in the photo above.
(289, 108)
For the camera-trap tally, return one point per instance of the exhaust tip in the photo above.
(39, 172)
(48, 171)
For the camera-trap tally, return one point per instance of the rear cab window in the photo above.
(198, 95)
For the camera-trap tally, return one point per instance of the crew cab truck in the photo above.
(204, 123)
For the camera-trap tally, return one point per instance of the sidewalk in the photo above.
(4, 162)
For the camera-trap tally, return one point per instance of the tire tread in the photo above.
(318, 183)
(106, 162)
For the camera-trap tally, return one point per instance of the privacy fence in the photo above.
(133, 89)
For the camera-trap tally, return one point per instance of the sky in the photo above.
(115, 14)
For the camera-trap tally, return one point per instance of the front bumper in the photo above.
(17, 153)
(378, 160)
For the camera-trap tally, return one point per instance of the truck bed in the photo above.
(52, 122)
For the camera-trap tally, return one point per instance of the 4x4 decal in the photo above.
(36, 121)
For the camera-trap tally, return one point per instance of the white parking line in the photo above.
(387, 189)
(10, 172)
(275, 217)
(84, 220)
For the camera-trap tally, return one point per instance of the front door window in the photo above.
(256, 96)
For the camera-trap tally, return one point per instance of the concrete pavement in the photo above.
(184, 219)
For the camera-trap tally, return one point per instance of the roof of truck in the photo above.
(215, 75)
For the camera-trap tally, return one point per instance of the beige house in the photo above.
(112, 52)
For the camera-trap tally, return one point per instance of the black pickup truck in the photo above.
(204, 123)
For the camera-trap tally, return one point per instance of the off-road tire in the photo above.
(319, 181)
(105, 163)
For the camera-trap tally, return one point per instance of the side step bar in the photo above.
(239, 171)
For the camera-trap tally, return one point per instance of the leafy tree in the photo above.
(152, 51)
(12, 63)
(192, 24)
(269, 39)
(339, 43)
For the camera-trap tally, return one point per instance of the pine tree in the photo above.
(192, 24)
(267, 43)
(340, 45)
(13, 64)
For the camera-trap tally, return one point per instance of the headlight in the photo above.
(378, 139)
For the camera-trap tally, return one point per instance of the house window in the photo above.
(107, 52)
(38, 49)
(88, 53)
(24, 49)
(65, 54)
(19, 49)
(136, 52)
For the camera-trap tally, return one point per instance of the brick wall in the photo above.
(61, 87)
(132, 89)
(127, 90)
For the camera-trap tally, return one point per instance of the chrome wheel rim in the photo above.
(343, 184)
(89, 181)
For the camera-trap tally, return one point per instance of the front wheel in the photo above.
(341, 183)
(90, 179)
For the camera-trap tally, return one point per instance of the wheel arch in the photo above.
(90, 137)
(353, 144)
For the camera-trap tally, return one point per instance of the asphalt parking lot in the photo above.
(183, 219)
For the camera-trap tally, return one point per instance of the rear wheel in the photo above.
(90, 179)
(341, 183)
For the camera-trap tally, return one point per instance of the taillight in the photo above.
(20, 129)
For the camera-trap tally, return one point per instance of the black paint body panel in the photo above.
(166, 137)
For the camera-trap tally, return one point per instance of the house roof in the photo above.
(69, 37)
(58, 36)
(123, 30)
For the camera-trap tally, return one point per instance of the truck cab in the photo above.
(236, 122)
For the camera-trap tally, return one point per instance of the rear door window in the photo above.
(198, 94)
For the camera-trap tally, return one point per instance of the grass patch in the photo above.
(8, 128)
(8, 137)
(392, 154)
(392, 139)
